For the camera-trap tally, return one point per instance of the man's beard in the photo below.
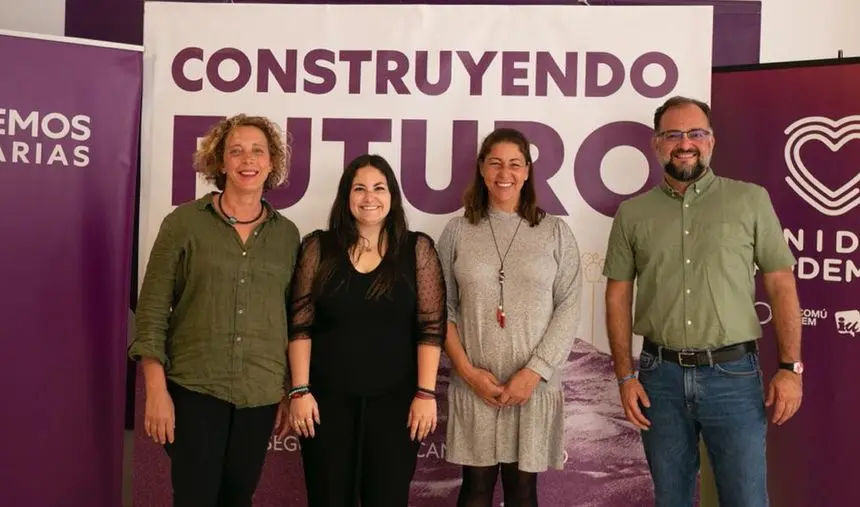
(685, 174)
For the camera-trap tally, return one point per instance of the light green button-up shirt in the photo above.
(693, 257)
(214, 310)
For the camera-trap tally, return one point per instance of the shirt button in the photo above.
(687, 232)
(697, 190)
(688, 261)
(688, 291)
(256, 233)
(241, 280)
(686, 205)
(241, 311)
(689, 322)
(238, 338)
(244, 254)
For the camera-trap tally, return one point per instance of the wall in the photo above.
(39, 16)
(791, 29)
(809, 29)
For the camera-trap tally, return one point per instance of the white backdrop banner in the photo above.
(422, 85)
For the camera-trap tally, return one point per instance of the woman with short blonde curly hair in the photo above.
(211, 319)
(209, 159)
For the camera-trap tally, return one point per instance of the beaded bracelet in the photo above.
(625, 379)
(425, 394)
(299, 391)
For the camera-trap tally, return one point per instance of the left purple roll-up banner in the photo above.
(69, 131)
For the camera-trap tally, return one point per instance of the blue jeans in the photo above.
(723, 403)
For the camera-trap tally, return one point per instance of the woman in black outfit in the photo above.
(367, 321)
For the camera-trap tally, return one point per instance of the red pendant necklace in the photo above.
(500, 310)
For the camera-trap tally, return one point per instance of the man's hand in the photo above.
(632, 393)
(784, 393)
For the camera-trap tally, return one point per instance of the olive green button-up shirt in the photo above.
(213, 310)
(693, 257)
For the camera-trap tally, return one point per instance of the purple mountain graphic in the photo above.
(605, 466)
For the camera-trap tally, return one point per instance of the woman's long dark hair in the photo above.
(342, 226)
(476, 200)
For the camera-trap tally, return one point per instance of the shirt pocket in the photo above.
(728, 245)
(271, 271)
(734, 235)
(270, 282)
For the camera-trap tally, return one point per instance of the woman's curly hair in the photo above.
(209, 158)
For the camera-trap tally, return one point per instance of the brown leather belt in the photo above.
(693, 358)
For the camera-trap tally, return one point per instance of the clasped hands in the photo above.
(515, 392)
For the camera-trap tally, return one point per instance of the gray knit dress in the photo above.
(542, 305)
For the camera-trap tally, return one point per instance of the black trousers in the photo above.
(217, 455)
(361, 453)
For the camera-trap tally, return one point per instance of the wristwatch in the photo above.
(795, 367)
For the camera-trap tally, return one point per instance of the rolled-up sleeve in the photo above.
(155, 303)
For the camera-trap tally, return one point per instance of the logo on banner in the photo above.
(809, 317)
(44, 139)
(764, 311)
(848, 322)
(834, 134)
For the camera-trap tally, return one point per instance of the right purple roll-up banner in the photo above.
(795, 129)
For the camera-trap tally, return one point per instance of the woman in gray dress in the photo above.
(513, 281)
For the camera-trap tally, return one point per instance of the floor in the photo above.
(127, 467)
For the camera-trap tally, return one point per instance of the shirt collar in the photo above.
(699, 186)
(207, 201)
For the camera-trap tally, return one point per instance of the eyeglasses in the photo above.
(675, 136)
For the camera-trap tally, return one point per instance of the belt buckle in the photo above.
(685, 353)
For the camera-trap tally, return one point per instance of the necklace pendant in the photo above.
(500, 317)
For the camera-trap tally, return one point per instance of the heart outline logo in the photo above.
(834, 134)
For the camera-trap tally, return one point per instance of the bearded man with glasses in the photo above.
(703, 238)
